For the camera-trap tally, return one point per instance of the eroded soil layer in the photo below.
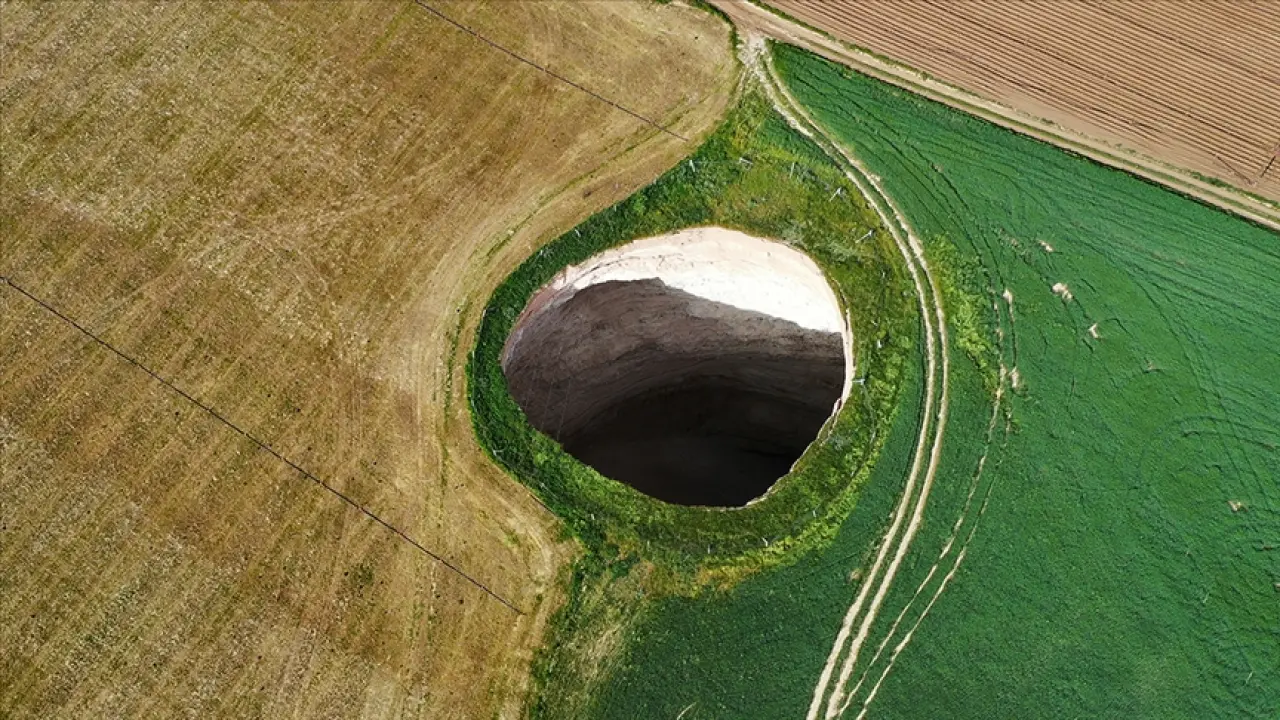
(687, 399)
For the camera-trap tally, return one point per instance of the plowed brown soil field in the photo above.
(243, 249)
(1195, 84)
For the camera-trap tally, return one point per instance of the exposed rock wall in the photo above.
(687, 399)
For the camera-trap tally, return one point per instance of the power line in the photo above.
(251, 438)
(552, 73)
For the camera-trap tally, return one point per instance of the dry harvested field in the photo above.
(244, 248)
(1194, 84)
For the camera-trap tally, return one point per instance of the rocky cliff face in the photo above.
(686, 399)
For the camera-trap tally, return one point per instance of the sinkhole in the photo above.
(695, 367)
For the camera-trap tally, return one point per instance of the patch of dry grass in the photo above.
(291, 212)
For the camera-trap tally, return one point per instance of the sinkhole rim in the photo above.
(717, 265)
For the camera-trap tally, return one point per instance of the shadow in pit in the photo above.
(686, 399)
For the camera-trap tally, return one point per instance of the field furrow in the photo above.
(1249, 59)
(1056, 77)
(1144, 76)
(963, 51)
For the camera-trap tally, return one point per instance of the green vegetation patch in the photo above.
(757, 649)
(1112, 529)
(1128, 558)
(757, 175)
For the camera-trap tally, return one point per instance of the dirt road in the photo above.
(1169, 170)
(909, 513)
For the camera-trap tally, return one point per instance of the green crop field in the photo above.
(1111, 530)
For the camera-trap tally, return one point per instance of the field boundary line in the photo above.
(253, 439)
(748, 14)
(498, 46)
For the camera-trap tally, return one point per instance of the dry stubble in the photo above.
(292, 212)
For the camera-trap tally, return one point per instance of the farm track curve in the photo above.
(909, 513)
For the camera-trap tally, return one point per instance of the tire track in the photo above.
(910, 511)
(946, 549)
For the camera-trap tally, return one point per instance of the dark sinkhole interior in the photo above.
(685, 399)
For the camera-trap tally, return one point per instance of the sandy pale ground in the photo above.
(722, 265)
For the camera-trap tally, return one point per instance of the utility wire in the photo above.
(552, 73)
(300, 470)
